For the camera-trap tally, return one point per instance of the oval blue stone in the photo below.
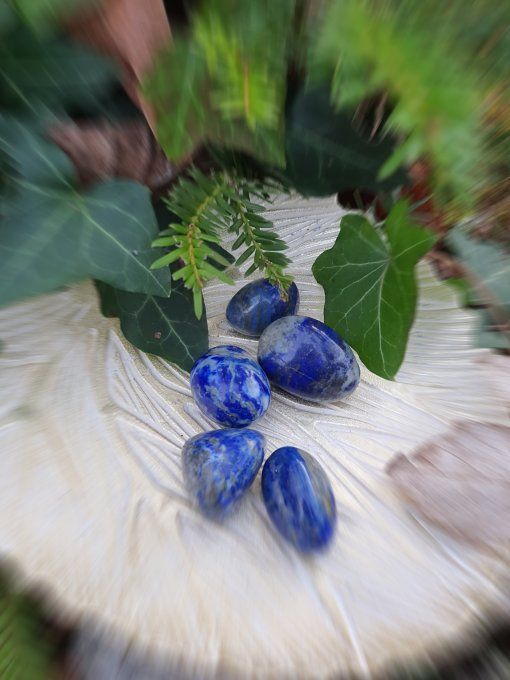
(299, 498)
(306, 358)
(258, 304)
(220, 465)
(229, 386)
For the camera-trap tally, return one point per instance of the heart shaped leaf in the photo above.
(35, 72)
(52, 234)
(368, 278)
(167, 327)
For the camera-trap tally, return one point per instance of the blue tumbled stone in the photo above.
(306, 358)
(298, 498)
(229, 386)
(220, 465)
(258, 304)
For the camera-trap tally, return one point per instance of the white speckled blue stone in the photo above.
(220, 465)
(308, 359)
(258, 304)
(229, 387)
(298, 498)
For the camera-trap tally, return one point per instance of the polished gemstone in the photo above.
(308, 359)
(258, 304)
(229, 386)
(299, 498)
(220, 465)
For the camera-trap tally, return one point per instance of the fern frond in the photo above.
(195, 200)
(253, 230)
(207, 207)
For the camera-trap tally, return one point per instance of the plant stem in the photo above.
(271, 269)
(194, 231)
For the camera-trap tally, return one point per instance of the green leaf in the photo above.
(247, 66)
(25, 653)
(7, 18)
(488, 333)
(51, 234)
(167, 327)
(36, 72)
(435, 70)
(43, 14)
(224, 82)
(370, 287)
(487, 270)
(326, 154)
(52, 237)
(31, 155)
(176, 88)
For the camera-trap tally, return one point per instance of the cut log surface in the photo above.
(94, 508)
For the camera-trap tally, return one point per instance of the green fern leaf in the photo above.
(209, 206)
(195, 200)
(254, 231)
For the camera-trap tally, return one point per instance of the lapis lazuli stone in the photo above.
(298, 498)
(308, 359)
(229, 386)
(220, 465)
(258, 304)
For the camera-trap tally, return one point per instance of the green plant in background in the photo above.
(319, 97)
(487, 275)
(410, 51)
(288, 83)
(228, 82)
(369, 274)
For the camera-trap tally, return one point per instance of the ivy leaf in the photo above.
(167, 327)
(326, 154)
(491, 334)
(52, 234)
(36, 72)
(42, 14)
(370, 287)
(7, 18)
(30, 154)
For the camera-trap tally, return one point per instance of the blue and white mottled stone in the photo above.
(258, 304)
(308, 359)
(229, 387)
(220, 465)
(298, 498)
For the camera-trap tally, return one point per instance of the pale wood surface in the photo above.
(94, 509)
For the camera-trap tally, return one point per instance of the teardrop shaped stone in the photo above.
(299, 498)
(220, 465)
(308, 359)
(258, 304)
(229, 386)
